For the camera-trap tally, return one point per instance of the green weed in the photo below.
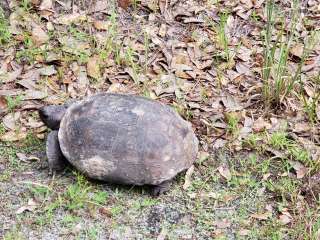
(69, 220)
(130, 60)
(14, 235)
(76, 195)
(254, 16)
(5, 35)
(2, 129)
(279, 140)
(232, 122)
(29, 52)
(92, 233)
(145, 203)
(116, 210)
(5, 175)
(100, 197)
(26, 5)
(13, 102)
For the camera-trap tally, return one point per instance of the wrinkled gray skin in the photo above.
(122, 139)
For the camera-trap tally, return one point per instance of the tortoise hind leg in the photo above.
(56, 160)
(161, 188)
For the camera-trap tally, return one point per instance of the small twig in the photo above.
(223, 208)
(37, 184)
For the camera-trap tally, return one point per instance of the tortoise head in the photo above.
(52, 115)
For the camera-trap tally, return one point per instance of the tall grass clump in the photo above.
(278, 78)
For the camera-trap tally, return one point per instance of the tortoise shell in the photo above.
(126, 139)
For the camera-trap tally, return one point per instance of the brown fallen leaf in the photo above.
(244, 232)
(10, 120)
(297, 50)
(285, 218)
(8, 77)
(34, 95)
(33, 123)
(162, 5)
(71, 18)
(219, 143)
(41, 136)
(3, 104)
(31, 206)
(300, 169)
(93, 67)
(222, 224)
(258, 3)
(116, 88)
(45, 5)
(35, 2)
(301, 127)
(162, 30)
(137, 77)
(260, 125)
(266, 176)
(187, 181)
(22, 157)
(39, 36)
(13, 136)
(243, 68)
(309, 90)
(247, 3)
(225, 172)
(82, 79)
(124, 4)
(101, 25)
(244, 54)
(47, 70)
(27, 83)
(261, 216)
(100, 6)
(231, 103)
(105, 211)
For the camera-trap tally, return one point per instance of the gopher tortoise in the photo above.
(122, 139)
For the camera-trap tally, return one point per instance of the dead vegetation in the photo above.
(245, 73)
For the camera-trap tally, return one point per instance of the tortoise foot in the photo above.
(161, 188)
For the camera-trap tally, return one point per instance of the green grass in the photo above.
(13, 102)
(232, 124)
(259, 178)
(26, 5)
(223, 40)
(29, 52)
(278, 80)
(5, 35)
(14, 235)
(2, 129)
(76, 195)
(110, 47)
(311, 103)
(68, 220)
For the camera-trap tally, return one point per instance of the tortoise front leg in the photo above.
(161, 188)
(56, 160)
